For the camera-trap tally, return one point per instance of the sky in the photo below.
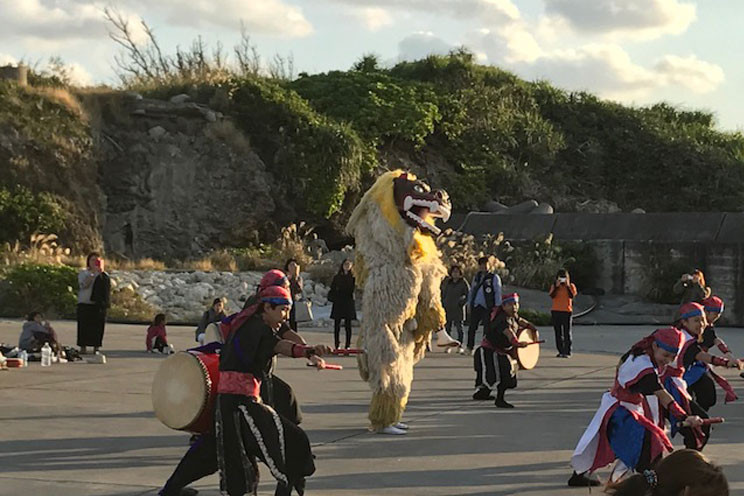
(636, 52)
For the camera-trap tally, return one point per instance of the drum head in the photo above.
(179, 390)
(212, 333)
(529, 355)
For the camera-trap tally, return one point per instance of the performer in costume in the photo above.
(627, 425)
(683, 473)
(201, 458)
(398, 264)
(247, 429)
(494, 359)
(690, 379)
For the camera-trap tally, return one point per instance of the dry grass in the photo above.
(62, 97)
(141, 264)
(225, 130)
(42, 249)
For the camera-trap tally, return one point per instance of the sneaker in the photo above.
(401, 425)
(482, 394)
(559, 355)
(391, 430)
(471, 351)
(502, 404)
(461, 351)
(581, 480)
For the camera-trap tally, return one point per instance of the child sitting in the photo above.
(156, 337)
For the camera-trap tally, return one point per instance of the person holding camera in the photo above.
(562, 292)
(692, 287)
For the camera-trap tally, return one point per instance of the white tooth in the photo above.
(446, 213)
(407, 203)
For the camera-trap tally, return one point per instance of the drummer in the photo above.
(201, 458)
(494, 358)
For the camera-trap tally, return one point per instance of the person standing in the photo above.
(341, 295)
(455, 290)
(692, 287)
(94, 296)
(485, 295)
(562, 292)
(292, 269)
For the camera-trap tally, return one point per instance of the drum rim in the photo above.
(207, 390)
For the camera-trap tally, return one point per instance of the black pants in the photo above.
(160, 344)
(248, 431)
(457, 324)
(493, 369)
(478, 315)
(704, 392)
(562, 327)
(91, 321)
(337, 331)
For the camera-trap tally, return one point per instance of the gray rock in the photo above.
(133, 95)
(139, 112)
(637, 211)
(210, 116)
(178, 99)
(157, 132)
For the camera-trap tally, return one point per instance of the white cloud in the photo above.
(639, 19)
(484, 10)
(79, 75)
(6, 59)
(374, 18)
(83, 19)
(690, 72)
(421, 44)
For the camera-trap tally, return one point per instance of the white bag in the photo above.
(303, 311)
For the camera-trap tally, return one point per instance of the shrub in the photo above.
(127, 305)
(660, 272)
(322, 271)
(535, 316)
(46, 288)
(42, 249)
(24, 213)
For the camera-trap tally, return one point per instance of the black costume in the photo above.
(247, 429)
(493, 362)
(341, 295)
(201, 458)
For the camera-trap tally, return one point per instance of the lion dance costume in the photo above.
(399, 267)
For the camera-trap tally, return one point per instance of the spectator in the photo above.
(156, 337)
(213, 314)
(341, 295)
(292, 269)
(36, 332)
(455, 291)
(562, 292)
(94, 295)
(485, 295)
(692, 287)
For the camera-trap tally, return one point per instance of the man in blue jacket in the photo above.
(485, 295)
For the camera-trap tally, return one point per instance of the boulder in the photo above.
(180, 98)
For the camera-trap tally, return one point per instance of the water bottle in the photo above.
(46, 355)
(24, 357)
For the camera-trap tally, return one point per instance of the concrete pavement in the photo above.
(84, 429)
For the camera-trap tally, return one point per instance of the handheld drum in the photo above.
(528, 356)
(184, 391)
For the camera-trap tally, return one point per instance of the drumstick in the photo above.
(347, 351)
(533, 342)
(327, 366)
(708, 421)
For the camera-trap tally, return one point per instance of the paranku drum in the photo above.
(184, 391)
(528, 356)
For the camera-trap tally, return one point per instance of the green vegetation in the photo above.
(24, 213)
(51, 289)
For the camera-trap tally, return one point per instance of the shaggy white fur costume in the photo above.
(401, 271)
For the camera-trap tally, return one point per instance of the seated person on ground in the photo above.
(36, 332)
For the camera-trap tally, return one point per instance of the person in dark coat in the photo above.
(212, 315)
(292, 269)
(455, 290)
(94, 299)
(342, 297)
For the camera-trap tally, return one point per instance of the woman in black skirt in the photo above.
(342, 296)
(94, 296)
